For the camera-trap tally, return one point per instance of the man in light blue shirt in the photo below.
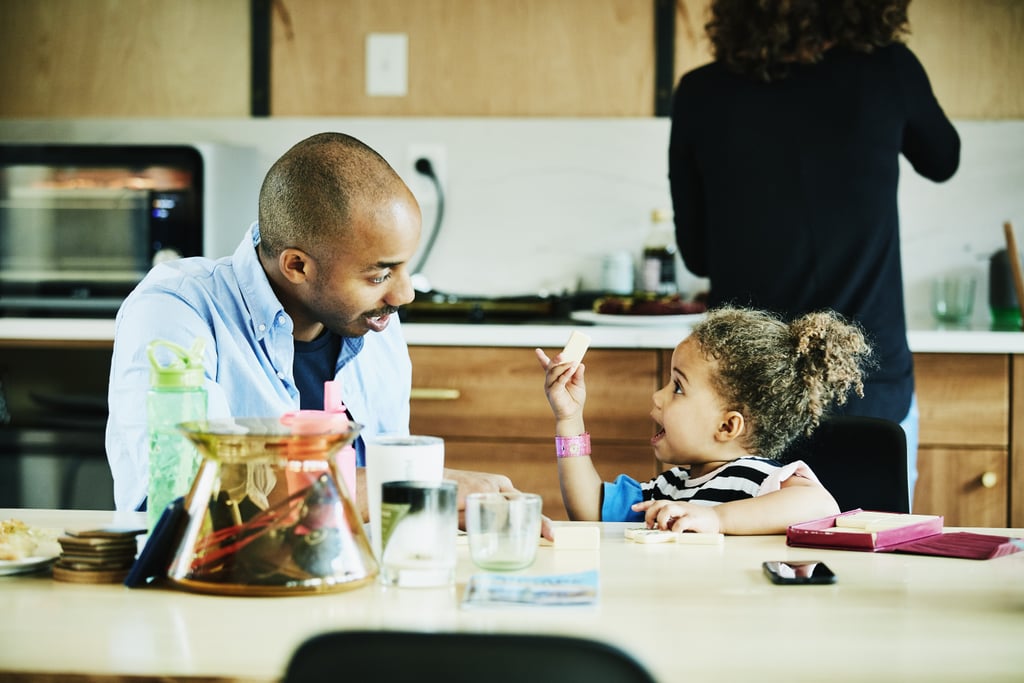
(325, 265)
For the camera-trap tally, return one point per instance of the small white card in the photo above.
(493, 590)
(576, 346)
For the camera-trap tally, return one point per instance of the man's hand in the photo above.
(485, 482)
(477, 482)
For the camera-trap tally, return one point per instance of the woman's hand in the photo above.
(563, 385)
(674, 515)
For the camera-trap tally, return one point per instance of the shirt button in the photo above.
(280, 320)
(262, 327)
(280, 375)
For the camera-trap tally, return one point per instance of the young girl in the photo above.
(743, 386)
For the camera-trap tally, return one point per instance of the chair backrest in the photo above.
(862, 461)
(414, 657)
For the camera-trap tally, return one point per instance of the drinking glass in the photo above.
(419, 524)
(398, 458)
(953, 298)
(503, 529)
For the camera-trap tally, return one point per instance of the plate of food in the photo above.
(25, 565)
(24, 548)
(643, 311)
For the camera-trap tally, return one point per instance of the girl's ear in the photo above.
(732, 426)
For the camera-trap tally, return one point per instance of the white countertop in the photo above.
(548, 336)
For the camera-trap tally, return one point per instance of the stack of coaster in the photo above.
(96, 555)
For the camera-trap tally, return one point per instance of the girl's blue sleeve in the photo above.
(619, 496)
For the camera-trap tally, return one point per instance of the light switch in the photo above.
(387, 64)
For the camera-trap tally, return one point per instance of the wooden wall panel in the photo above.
(693, 48)
(467, 57)
(80, 58)
(973, 51)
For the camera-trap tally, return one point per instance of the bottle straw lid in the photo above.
(184, 367)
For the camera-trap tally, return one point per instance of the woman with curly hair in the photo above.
(784, 167)
(743, 385)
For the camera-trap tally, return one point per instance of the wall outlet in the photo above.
(422, 186)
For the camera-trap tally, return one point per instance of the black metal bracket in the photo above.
(664, 55)
(259, 90)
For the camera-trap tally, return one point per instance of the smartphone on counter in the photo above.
(798, 572)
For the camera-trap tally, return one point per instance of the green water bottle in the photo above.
(176, 395)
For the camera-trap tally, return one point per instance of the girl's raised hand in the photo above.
(563, 385)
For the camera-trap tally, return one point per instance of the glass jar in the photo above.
(268, 513)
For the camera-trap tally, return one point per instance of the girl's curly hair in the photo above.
(764, 38)
(783, 378)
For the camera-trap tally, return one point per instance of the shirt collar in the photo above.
(259, 297)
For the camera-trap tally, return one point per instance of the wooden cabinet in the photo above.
(489, 406)
(963, 459)
(589, 58)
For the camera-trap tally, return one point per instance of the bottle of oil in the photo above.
(658, 266)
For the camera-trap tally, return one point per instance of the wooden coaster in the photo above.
(91, 564)
(61, 573)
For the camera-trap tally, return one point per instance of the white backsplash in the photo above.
(533, 204)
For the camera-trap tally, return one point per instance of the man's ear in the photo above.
(295, 265)
(731, 427)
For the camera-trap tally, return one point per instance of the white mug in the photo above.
(398, 458)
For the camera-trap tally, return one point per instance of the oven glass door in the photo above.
(75, 238)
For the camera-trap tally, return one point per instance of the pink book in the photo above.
(897, 532)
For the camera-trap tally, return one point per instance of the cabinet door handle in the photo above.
(435, 394)
(989, 480)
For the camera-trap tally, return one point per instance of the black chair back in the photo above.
(415, 657)
(862, 461)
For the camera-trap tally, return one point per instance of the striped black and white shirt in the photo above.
(747, 477)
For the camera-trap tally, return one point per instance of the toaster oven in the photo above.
(80, 225)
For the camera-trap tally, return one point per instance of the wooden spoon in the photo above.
(1014, 256)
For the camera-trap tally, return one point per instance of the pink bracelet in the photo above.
(572, 446)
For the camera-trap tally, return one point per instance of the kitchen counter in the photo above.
(922, 337)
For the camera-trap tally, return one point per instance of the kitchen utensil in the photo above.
(1018, 276)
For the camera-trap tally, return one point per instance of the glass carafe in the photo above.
(268, 513)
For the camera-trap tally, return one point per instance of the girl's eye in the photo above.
(381, 280)
(678, 388)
